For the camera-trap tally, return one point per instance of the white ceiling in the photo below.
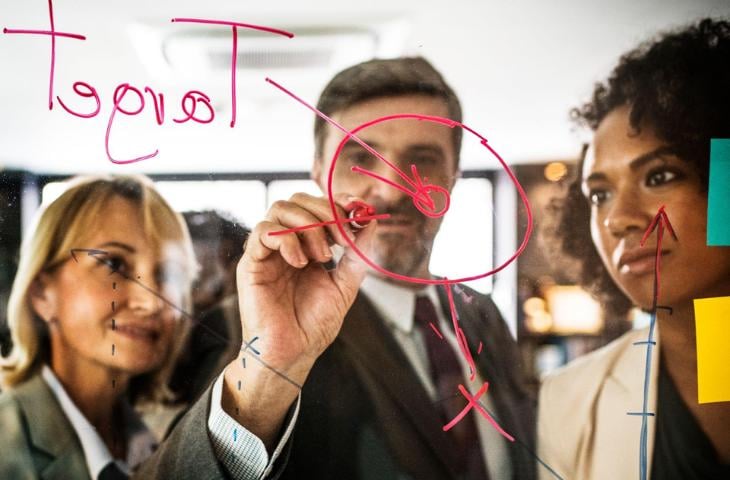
(518, 67)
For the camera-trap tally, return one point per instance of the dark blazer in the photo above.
(37, 441)
(365, 414)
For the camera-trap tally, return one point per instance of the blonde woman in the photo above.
(95, 321)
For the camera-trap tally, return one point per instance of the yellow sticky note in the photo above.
(712, 321)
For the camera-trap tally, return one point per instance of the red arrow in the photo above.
(421, 189)
(659, 223)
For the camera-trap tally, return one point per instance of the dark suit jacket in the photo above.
(365, 414)
(38, 441)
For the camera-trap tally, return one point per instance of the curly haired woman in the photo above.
(652, 122)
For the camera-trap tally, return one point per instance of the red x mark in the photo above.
(474, 403)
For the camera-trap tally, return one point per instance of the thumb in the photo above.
(351, 268)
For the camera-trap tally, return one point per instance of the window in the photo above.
(245, 200)
(463, 246)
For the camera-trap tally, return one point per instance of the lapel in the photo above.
(467, 315)
(50, 432)
(618, 434)
(372, 347)
(499, 364)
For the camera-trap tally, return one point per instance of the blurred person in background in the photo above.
(216, 332)
(218, 243)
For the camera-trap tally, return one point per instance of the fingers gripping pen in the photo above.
(356, 210)
(360, 214)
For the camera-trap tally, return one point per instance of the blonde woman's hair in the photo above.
(64, 225)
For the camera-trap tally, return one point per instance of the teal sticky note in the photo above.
(718, 199)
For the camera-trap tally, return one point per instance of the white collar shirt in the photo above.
(140, 441)
(396, 305)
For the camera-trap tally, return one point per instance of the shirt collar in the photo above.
(95, 451)
(395, 303)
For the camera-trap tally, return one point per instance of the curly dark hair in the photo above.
(679, 84)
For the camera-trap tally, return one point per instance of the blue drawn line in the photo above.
(522, 444)
(645, 342)
(234, 434)
(93, 253)
(645, 406)
(650, 343)
(517, 440)
(89, 251)
(250, 345)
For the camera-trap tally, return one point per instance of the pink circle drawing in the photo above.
(423, 201)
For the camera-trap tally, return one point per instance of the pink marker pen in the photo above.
(358, 209)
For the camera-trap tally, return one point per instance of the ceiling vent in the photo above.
(311, 48)
(182, 55)
(268, 60)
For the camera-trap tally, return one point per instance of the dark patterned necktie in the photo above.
(446, 375)
(112, 472)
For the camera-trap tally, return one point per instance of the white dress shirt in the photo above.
(241, 452)
(396, 305)
(140, 441)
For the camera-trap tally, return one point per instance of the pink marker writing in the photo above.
(128, 100)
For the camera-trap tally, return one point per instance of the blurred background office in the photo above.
(518, 68)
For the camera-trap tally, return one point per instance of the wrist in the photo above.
(258, 397)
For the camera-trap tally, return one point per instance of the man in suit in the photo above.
(361, 371)
(373, 405)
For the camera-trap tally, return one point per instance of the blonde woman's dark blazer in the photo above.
(37, 441)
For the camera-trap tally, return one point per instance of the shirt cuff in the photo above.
(241, 452)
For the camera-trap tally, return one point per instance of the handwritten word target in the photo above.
(129, 100)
